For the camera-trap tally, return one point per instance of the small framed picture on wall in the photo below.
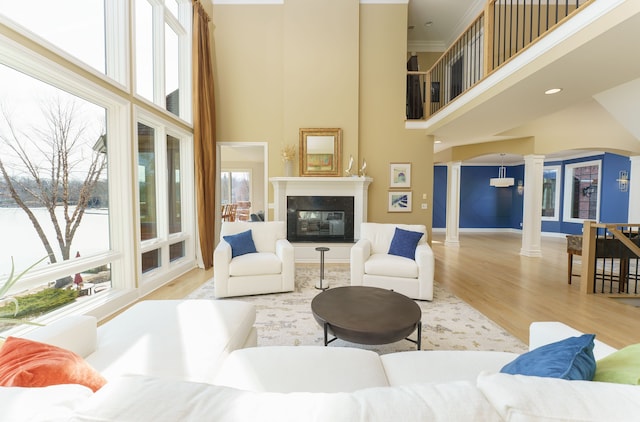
(399, 201)
(400, 175)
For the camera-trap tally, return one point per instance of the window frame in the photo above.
(568, 190)
(556, 212)
(182, 26)
(152, 279)
(28, 53)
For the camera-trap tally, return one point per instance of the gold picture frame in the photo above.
(320, 152)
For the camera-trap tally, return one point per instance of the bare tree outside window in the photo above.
(52, 165)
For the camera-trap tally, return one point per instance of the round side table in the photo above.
(319, 284)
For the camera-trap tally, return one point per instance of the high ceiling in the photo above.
(435, 24)
(593, 59)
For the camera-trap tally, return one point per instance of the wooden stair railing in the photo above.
(589, 240)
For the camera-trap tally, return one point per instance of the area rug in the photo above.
(448, 323)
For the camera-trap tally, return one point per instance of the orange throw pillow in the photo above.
(28, 363)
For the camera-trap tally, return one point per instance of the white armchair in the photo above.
(268, 270)
(372, 265)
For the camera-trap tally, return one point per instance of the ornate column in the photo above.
(453, 204)
(532, 206)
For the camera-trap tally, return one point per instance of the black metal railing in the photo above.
(502, 31)
(517, 25)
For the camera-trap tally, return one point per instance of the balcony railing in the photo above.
(510, 26)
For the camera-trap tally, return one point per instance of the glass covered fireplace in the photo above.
(320, 218)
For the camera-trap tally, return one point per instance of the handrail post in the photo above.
(587, 274)
(488, 37)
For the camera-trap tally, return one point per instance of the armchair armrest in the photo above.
(77, 333)
(222, 258)
(426, 268)
(360, 252)
(286, 252)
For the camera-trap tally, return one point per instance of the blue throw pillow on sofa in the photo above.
(241, 243)
(570, 359)
(404, 243)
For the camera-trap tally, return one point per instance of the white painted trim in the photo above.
(243, 2)
(384, 1)
(496, 230)
(558, 169)
(568, 174)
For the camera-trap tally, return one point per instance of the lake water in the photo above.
(20, 239)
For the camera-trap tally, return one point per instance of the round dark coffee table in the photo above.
(367, 315)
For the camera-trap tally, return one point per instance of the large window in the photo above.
(74, 26)
(235, 186)
(582, 191)
(161, 42)
(53, 182)
(70, 151)
(551, 193)
(162, 200)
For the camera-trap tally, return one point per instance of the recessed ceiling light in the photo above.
(437, 142)
(552, 91)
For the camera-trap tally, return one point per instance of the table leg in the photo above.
(321, 268)
(570, 266)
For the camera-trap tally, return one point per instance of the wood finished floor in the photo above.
(488, 272)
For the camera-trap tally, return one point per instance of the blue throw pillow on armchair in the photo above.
(241, 243)
(570, 359)
(404, 243)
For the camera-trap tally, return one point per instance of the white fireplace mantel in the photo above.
(322, 186)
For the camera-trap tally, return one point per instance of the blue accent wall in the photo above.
(615, 204)
(440, 197)
(484, 206)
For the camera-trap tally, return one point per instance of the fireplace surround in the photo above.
(354, 188)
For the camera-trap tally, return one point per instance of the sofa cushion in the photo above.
(570, 359)
(135, 398)
(28, 363)
(52, 403)
(280, 369)
(180, 339)
(255, 264)
(534, 399)
(241, 243)
(404, 243)
(390, 266)
(441, 365)
(621, 367)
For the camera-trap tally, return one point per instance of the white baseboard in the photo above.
(496, 230)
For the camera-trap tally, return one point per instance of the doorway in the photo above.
(242, 180)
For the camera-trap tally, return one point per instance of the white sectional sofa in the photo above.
(178, 339)
(296, 383)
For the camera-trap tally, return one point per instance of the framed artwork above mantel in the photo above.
(320, 152)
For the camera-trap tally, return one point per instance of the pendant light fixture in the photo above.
(502, 181)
